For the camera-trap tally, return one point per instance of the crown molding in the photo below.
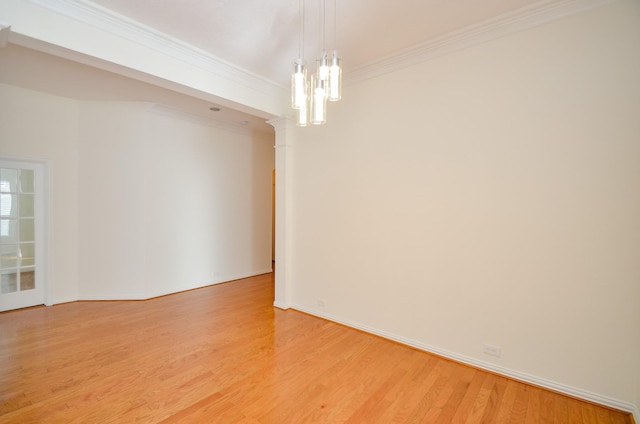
(5, 29)
(119, 25)
(509, 23)
(522, 19)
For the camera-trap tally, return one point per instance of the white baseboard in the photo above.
(219, 280)
(111, 296)
(59, 300)
(517, 375)
(239, 276)
(280, 305)
(151, 294)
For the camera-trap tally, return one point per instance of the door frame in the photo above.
(43, 246)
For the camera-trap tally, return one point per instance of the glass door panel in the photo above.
(21, 234)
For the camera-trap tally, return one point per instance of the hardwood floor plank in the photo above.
(520, 404)
(508, 400)
(402, 394)
(224, 354)
(533, 407)
(547, 406)
(445, 400)
(470, 396)
(575, 411)
(482, 400)
(417, 387)
(495, 400)
(441, 386)
(561, 410)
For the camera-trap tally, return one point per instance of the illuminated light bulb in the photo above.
(323, 68)
(298, 85)
(318, 101)
(335, 78)
(303, 114)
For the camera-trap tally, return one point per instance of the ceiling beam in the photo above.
(85, 33)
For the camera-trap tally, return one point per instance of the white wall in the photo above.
(112, 200)
(208, 203)
(169, 203)
(488, 196)
(145, 202)
(38, 126)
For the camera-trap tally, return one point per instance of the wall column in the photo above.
(285, 136)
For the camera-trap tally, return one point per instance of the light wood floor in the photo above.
(223, 354)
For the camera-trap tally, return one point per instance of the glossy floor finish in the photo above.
(223, 354)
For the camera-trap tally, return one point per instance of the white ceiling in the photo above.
(262, 36)
(259, 36)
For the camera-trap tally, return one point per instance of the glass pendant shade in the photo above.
(323, 68)
(309, 97)
(303, 117)
(335, 78)
(298, 85)
(318, 101)
(302, 113)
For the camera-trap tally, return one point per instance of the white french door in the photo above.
(21, 234)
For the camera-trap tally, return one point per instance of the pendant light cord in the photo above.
(322, 23)
(335, 24)
(301, 45)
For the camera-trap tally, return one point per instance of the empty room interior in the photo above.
(444, 227)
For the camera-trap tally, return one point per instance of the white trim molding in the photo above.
(121, 26)
(516, 375)
(106, 20)
(509, 23)
(5, 29)
(106, 40)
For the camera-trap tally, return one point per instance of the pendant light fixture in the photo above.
(319, 81)
(325, 85)
(335, 68)
(299, 89)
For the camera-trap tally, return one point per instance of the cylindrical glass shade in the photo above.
(318, 101)
(298, 85)
(302, 113)
(335, 78)
(323, 68)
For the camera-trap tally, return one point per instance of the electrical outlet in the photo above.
(321, 303)
(492, 350)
